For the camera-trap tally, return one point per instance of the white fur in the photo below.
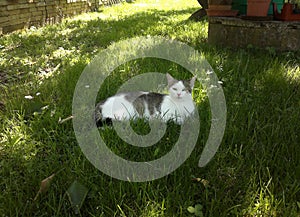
(118, 108)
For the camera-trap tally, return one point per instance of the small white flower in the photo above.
(45, 107)
(28, 97)
(52, 113)
(209, 72)
(38, 93)
(87, 86)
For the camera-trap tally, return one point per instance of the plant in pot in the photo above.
(258, 8)
(289, 12)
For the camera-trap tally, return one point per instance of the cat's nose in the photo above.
(178, 94)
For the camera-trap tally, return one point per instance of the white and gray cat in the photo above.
(175, 106)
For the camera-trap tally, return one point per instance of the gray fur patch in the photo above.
(187, 85)
(131, 96)
(151, 100)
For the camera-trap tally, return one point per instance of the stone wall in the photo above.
(19, 14)
(236, 32)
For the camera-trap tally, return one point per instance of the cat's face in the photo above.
(180, 89)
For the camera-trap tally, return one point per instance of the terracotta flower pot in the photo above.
(219, 7)
(258, 8)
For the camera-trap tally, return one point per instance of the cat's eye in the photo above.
(174, 88)
(184, 89)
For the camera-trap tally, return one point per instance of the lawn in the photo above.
(256, 171)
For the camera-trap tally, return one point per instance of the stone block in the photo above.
(3, 3)
(17, 6)
(4, 13)
(36, 14)
(11, 28)
(234, 32)
(4, 19)
(14, 12)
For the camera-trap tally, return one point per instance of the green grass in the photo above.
(256, 171)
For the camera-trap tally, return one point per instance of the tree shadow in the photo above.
(262, 94)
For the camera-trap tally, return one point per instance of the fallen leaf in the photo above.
(77, 194)
(44, 186)
(60, 121)
(198, 210)
(191, 209)
(203, 181)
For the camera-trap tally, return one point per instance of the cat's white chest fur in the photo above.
(177, 110)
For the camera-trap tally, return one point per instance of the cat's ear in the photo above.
(170, 80)
(192, 81)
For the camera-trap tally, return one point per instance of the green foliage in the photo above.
(256, 172)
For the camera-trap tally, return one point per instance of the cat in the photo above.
(175, 106)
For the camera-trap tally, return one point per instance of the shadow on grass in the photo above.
(85, 35)
(262, 97)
